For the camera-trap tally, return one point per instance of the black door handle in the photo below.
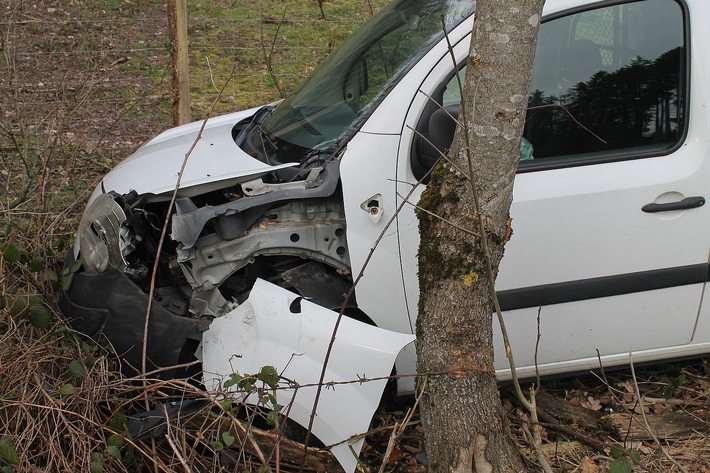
(687, 203)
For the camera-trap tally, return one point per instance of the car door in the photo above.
(392, 60)
(610, 232)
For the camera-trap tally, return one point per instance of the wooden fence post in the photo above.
(177, 24)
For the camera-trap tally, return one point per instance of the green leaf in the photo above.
(635, 455)
(38, 315)
(118, 422)
(76, 369)
(115, 441)
(670, 390)
(7, 469)
(97, 463)
(17, 307)
(617, 451)
(60, 328)
(620, 465)
(217, 445)
(114, 452)
(7, 451)
(269, 376)
(67, 389)
(67, 280)
(75, 267)
(271, 418)
(51, 277)
(36, 264)
(270, 400)
(68, 275)
(234, 379)
(10, 252)
(227, 404)
(228, 438)
(247, 384)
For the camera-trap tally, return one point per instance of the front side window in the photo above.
(609, 81)
(607, 84)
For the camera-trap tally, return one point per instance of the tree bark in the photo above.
(465, 426)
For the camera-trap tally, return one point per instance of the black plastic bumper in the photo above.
(110, 305)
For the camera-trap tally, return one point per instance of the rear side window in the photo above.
(608, 82)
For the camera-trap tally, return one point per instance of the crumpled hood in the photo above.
(154, 168)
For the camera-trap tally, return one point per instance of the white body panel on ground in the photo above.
(264, 332)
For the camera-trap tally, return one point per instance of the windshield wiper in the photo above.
(243, 130)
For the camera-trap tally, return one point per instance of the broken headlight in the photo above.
(102, 235)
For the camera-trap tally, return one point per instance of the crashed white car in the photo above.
(279, 208)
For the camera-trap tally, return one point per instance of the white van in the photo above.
(279, 207)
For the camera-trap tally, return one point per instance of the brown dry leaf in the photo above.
(383, 418)
(395, 455)
(589, 402)
(410, 449)
(574, 397)
(661, 407)
(588, 466)
(630, 393)
(645, 449)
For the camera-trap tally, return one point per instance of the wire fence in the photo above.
(94, 75)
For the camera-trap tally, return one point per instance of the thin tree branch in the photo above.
(647, 427)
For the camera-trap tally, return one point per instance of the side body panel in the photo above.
(577, 226)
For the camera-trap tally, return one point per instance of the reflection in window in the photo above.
(610, 79)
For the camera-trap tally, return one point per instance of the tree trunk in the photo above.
(465, 427)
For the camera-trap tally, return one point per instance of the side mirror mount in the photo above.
(356, 84)
(434, 139)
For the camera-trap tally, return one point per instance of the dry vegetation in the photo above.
(81, 84)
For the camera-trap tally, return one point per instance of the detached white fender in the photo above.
(264, 332)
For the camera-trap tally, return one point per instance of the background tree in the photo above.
(465, 427)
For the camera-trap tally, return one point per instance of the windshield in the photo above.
(350, 81)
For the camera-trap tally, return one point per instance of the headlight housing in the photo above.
(100, 235)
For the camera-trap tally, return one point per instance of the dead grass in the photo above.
(54, 414)
(65, 407)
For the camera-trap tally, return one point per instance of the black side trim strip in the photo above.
(585, 289)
